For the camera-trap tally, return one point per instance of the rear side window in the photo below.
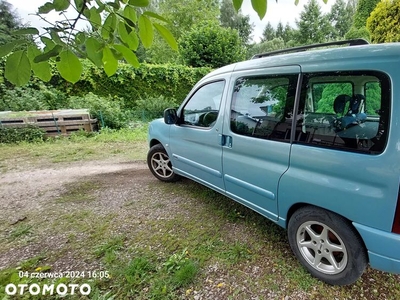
(262, 106)
(344, 110)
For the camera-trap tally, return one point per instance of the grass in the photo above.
(162, 241)
(128, 143)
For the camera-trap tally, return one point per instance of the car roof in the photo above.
(342, 58)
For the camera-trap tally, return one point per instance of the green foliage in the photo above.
(34, 96)
(383, 23)
(363, 10)
(209, 45)
(230, 19)
(267, 46)
(314, 26)
(171, 81)
(269, 33)
(15, 135)
(341, 18)
(114, 24)
(108, 110)
(153, 107)
(355, 33)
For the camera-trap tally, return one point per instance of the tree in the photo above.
(383, 22)
(363, 10)
(341, 18)
(210, 45)
(230, 19)
(288, 33)
(269, 33)
(267, 46)
(119, 27)
(313, 26)
(279, 30)
(182, 15)
(9, 22)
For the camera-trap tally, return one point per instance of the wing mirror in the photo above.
(170, 116)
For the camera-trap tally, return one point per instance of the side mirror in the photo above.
(170, 116)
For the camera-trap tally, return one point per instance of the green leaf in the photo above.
(27, 30)
(167, 36)
(133, 42)
(79, 4)
(109, 61)
(154, 15)
(130, 13)
(139, 3)
(69, 66)
(49, 54)
(46, 8)
(115, 5)
(80, 38)
(55, 37)
(18, 68)
(61, 5)
(260, 6)
(128, 54)
(6, 49)
(93, 51)
(237, 4)
(123, 32)
(48, 42)
(296, 2)
(42, 69)
(95, 18)
(109, 26)
(146, 33)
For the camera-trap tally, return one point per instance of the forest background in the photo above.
(206, 34)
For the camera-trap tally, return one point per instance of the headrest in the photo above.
(340, 103)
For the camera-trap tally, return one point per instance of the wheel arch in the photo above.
(154, 142)
(299, 205)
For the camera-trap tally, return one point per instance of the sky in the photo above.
(283, 10)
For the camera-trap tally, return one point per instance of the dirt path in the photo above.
(27, 190)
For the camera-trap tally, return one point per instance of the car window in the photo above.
(344, 110)
(203, 107)
(262, 106)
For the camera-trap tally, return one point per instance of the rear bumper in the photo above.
(383, 248)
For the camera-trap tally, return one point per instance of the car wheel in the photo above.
(160, 164)
(327, 245)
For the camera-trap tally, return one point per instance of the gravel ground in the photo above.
(127, 191)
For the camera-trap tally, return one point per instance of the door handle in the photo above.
(225, 140)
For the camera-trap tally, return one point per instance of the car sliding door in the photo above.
(256, 136)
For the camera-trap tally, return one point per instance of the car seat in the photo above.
(352, 116)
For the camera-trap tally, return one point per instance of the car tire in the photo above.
(160, 164)
(327, 245)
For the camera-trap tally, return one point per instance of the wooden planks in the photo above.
(54, 122)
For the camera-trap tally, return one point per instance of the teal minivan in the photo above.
(309, 139)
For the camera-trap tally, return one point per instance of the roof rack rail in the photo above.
(354, 42)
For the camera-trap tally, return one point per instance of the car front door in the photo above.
(256, 136)
(195, 139)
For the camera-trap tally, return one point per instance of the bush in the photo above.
(15, 135)
(210, 45)
(153, 107)
(31, 97)
(107, 110)
(133, 84)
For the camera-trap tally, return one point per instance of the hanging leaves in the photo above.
(122, 25)
(69, 66)
(18, 68)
